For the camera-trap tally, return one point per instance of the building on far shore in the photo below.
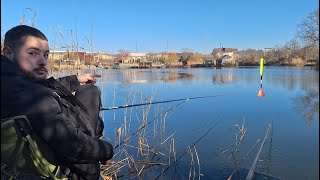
(229, 55)
(267, 49)
(78, 57)
(135, 57)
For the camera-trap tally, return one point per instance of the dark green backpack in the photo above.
(20, 151)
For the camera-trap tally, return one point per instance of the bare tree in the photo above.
(293, 53)
(123, 55)
(172, 58)
(249, 57)
(308, 30)
(186, 54)
(293, 44)
(196, 57)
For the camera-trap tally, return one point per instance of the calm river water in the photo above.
(290, 104)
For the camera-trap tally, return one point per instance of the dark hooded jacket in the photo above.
(61, 124)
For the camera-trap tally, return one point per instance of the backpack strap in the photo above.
(23, 131)
(63, 92)
(43, 166)
(9, 167)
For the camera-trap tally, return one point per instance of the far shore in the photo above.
(162, 66)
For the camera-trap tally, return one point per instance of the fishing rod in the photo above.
(254, 164)
(157, 102)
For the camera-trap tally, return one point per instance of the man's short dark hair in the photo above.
(14, 37)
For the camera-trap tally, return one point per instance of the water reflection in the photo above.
(223, 78)
(289, 78)
(307, 104)
(134, 76)
(174, 76)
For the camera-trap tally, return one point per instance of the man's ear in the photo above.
(8, 52)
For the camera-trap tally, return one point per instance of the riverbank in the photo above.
(136, 66)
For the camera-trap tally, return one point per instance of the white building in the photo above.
(135, 57)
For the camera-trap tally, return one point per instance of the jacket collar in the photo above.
(9, 67)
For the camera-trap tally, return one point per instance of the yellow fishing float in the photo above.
(261, 93)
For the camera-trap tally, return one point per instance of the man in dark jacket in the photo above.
(69, 125)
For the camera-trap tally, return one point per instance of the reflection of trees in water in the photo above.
(223, 78)
(292, 80)
(310, 81)
(137, 76)
(289, 78)
(128, 76)
(174, 76)
(307, 103)
(288, 81)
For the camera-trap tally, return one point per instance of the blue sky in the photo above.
(158, 25)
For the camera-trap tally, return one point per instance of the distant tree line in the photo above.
(301, 50)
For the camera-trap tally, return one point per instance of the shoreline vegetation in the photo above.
(62, 67)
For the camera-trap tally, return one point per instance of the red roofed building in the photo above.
(82, 55)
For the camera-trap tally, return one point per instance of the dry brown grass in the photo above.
(297, 62)
(143, 148)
